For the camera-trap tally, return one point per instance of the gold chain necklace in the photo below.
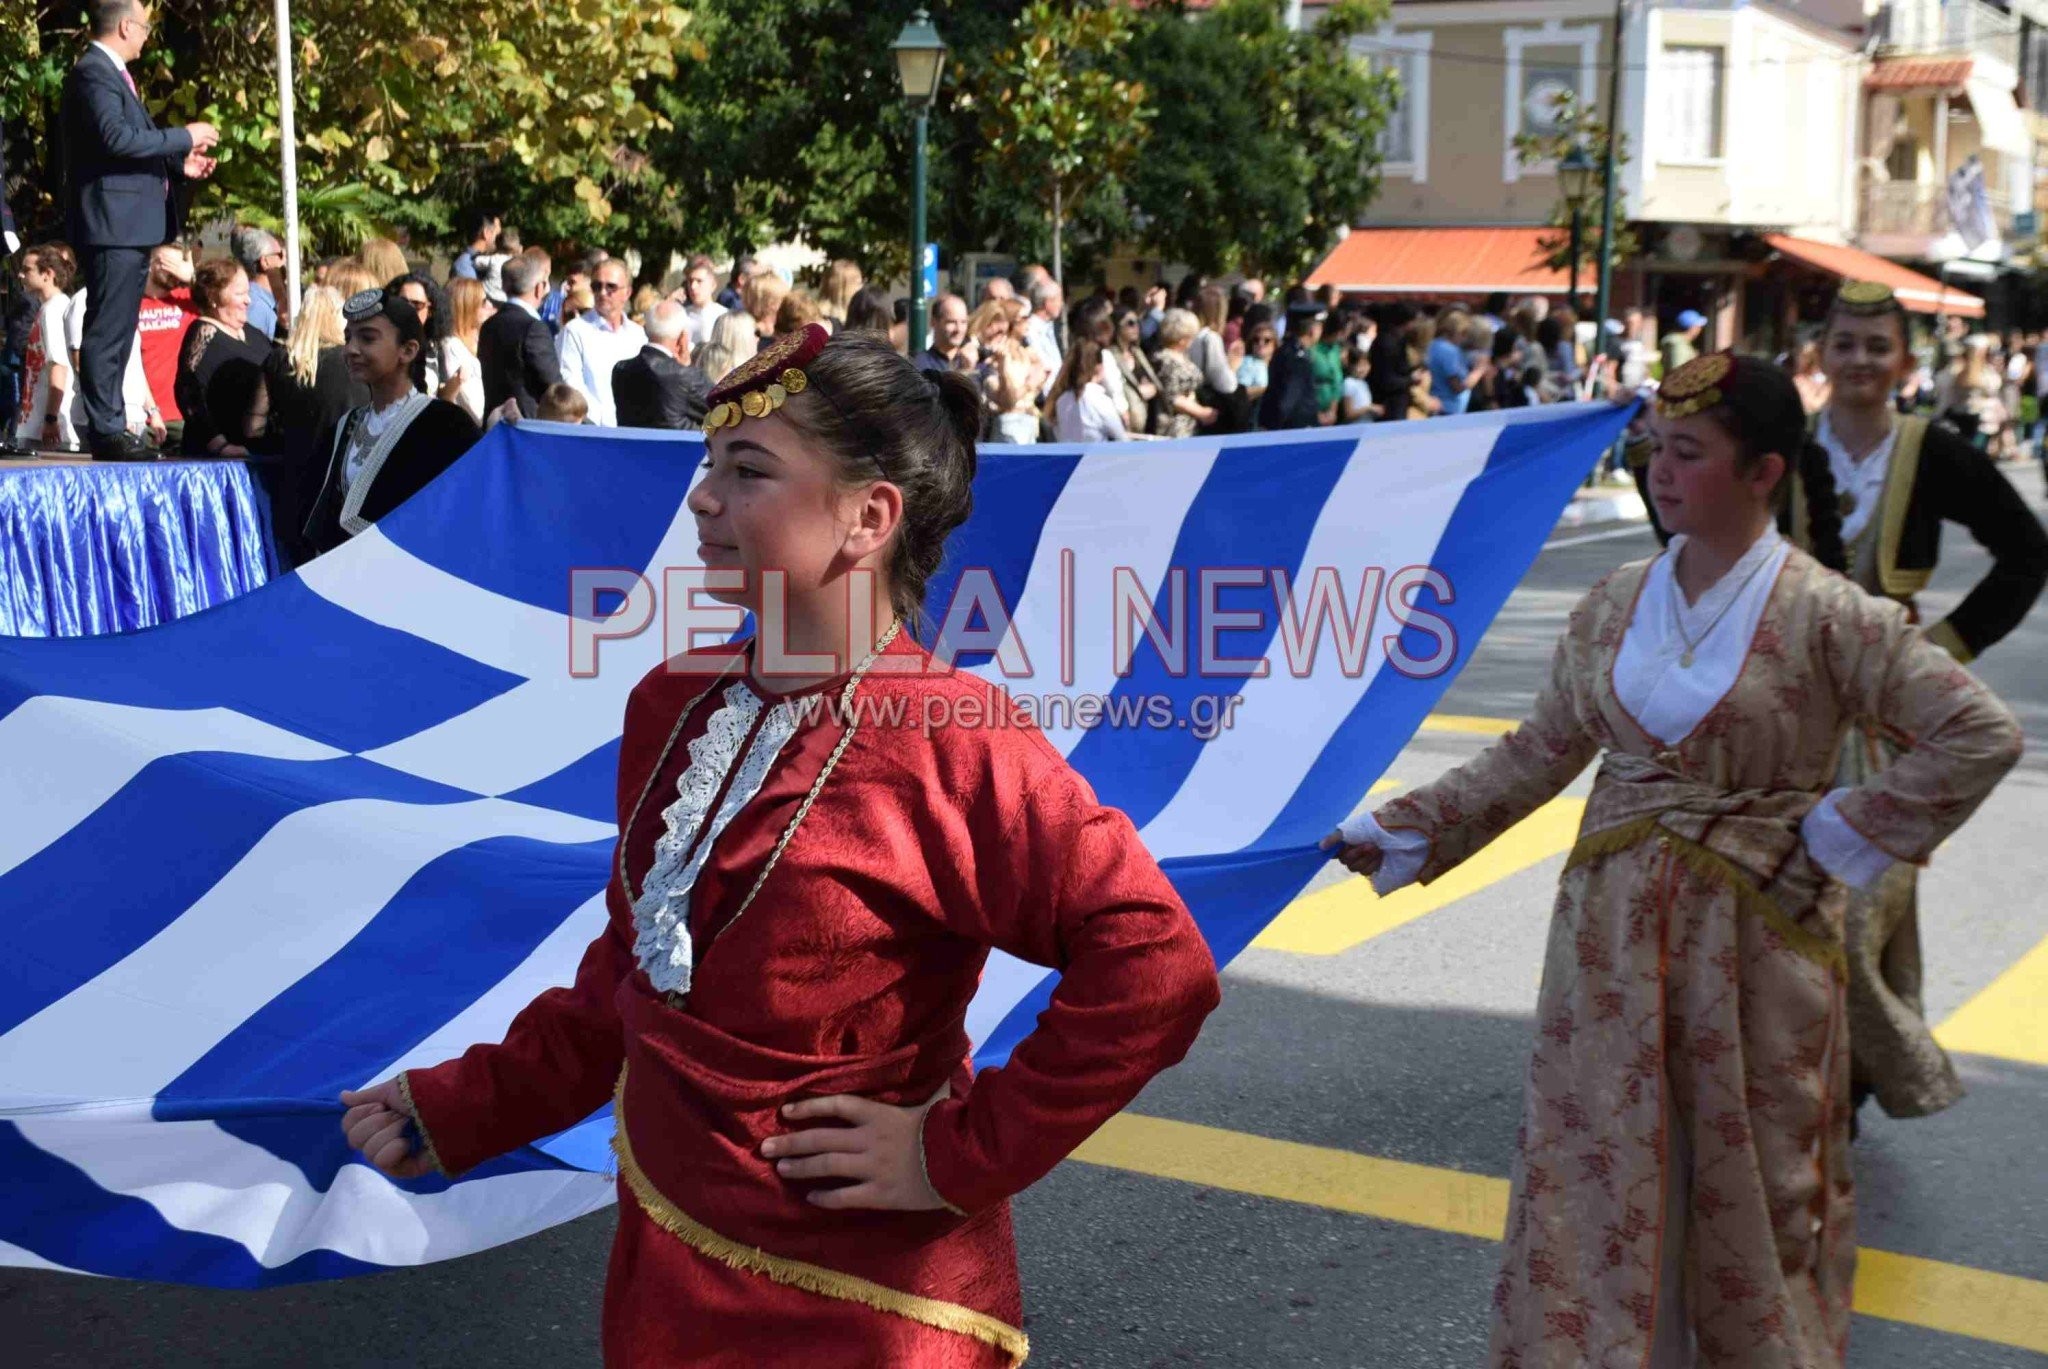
(1692, 646)
(803, 809)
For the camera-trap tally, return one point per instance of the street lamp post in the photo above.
(1575, 183)
(920, 55)
(1607, 180)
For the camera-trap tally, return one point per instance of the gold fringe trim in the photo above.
(1712, 865)
(419, 1124)
(812, 1278)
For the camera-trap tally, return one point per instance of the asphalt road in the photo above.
(1408, 1046)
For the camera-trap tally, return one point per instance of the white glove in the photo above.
(1403, 852)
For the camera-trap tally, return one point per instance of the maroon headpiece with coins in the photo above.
(764, 382)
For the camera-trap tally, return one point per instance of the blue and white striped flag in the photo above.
(353, 821)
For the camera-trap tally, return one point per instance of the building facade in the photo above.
(1747, 184)
(1948, 156)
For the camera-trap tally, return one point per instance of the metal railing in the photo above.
(1956, 26)
(1915, 209)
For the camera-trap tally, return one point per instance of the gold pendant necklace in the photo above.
(1692, 644)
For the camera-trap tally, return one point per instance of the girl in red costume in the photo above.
(801, 904)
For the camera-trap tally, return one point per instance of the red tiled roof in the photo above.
(1919, 73)
(1440, 261)
(1921, 294)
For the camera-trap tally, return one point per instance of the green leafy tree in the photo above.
(1579, 125)
(1059, 112)
(32, 69)
(796, 128)
(1258, 174)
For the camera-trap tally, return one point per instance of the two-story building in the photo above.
(1947, 166)
(1741, 120)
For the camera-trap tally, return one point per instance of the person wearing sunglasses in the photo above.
(1140, 383)
(596, 341)
(437, 370)
(1254, 373)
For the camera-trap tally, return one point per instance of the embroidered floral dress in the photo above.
(716, 995)
(1178, 376)
(1682, 1187)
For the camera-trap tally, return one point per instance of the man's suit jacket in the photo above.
(517, 353)
(654, 390)
(122, 173)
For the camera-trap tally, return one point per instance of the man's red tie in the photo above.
(138, 100)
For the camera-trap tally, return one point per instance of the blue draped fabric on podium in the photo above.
(87, 549)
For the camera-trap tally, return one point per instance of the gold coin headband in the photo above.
(1866, 298)
(1696, 386)
(764, 382)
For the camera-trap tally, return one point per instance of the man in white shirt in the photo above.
(1048, 302)
(592, 345)
(700, 307)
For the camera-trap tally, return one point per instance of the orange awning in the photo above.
(1921, 294)
(1951, 74)
(1441, 261)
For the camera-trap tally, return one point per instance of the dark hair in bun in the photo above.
(883, 419)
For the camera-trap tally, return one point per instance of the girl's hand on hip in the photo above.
(881, 1150)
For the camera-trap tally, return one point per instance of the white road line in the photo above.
(1630, 531)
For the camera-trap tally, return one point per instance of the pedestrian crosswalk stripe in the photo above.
(1978, 1303)
(1335, 919)
(2009, 1017)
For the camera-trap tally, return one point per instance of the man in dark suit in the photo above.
(122, 198)
(515, 349)
(659, 388)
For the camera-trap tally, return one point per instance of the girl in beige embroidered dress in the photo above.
(1682, 1187)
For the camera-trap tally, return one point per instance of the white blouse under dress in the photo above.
(1670, 700)
(1862, 480)
(1090, 416)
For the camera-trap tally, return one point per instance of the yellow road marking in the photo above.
(1951, 1297)
(2009, 1017)
(1392, 1190)
(1456, 722)
(1977, 1303)
(1335, 919)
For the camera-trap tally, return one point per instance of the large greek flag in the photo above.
(353, 821)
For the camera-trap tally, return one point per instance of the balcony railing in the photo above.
(1957, 26)
(1913, 209)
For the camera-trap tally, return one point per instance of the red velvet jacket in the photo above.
(851, 972)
